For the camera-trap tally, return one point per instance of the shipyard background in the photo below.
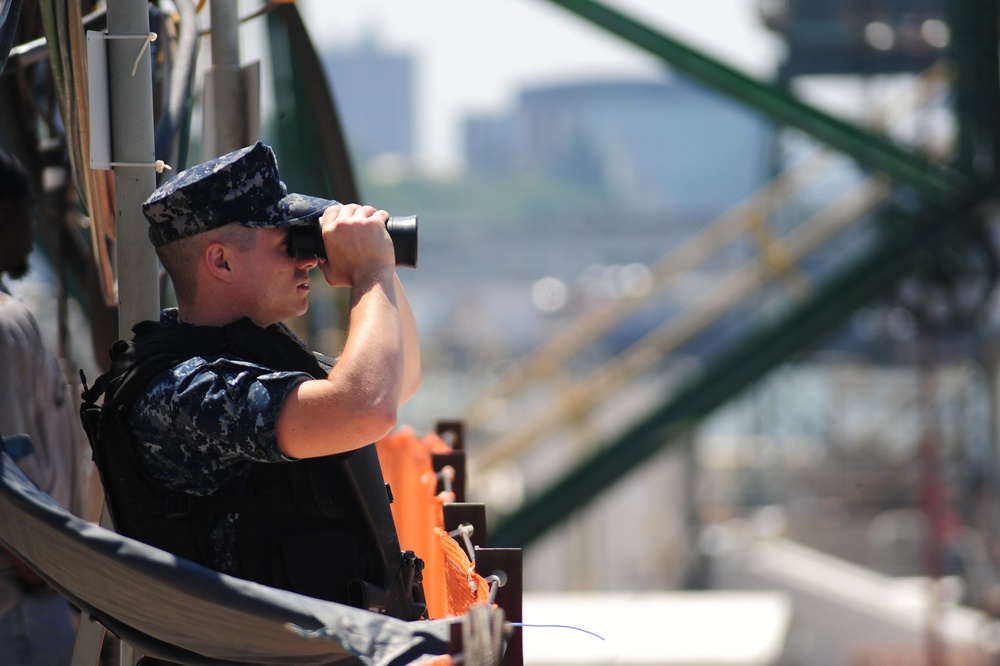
(841, 508)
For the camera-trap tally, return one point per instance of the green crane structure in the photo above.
(954, 202)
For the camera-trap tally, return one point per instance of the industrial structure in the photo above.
(907, 239)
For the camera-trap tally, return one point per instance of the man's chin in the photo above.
(297, 312)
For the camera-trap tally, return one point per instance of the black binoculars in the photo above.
(306, 240)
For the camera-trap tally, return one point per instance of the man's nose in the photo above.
(307, 263)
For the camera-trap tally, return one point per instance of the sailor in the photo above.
(223, 438)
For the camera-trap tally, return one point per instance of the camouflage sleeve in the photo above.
(199, 420)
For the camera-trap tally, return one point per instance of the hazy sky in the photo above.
(473, 55)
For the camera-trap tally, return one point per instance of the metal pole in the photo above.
(132, 144)
(131, 91)
(228, 92)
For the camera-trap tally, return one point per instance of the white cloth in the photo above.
(35, 400)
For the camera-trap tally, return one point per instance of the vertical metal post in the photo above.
(977, 97)
(131, 92)
(132, 144)
(225, 89)
(933, 503)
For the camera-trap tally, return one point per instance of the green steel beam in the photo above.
(974, 37)
(313, 148)
(942, 185)
(953, 205)
(744, 362)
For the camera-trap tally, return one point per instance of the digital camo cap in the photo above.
(242, 186)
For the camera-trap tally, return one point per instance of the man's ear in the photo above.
(217, 257)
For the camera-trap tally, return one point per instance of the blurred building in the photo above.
(375, 97)
(664, 147)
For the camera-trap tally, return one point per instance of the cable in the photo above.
(555, 626)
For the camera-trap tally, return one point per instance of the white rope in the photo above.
(447, 476)
(159, 165)
(146, 39)
(482, 636)
(496, 582)
(466, 531)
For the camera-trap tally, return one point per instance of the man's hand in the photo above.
(357, 244)
(358, 402)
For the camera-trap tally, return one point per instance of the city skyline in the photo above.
(473, 58)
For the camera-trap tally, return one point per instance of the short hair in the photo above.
(180, 257)
(15, 183)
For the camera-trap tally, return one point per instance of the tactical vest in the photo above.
(319, 526)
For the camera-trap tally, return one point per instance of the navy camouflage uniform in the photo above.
(203, 421)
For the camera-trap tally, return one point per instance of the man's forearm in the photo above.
(357, 403)
(412, 373)
(373, 358)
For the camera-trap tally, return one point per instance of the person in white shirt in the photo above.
(37, 625)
